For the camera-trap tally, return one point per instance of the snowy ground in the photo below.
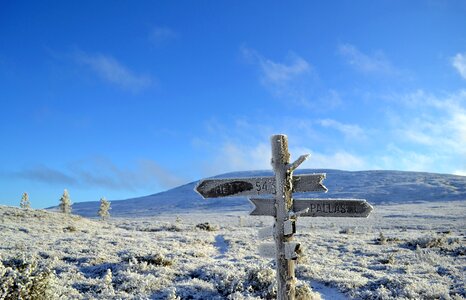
(414, 251)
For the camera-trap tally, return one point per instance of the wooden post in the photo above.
(283, 204)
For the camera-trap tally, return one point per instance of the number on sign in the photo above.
(266, 186)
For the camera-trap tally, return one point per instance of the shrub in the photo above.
(25, 279)
(155, 260)
(206, 226)
(261, 282)
(304, 292)
(70, 228)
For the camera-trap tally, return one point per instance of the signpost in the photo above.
(283, 207)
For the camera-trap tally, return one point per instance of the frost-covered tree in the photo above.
(65, 203)
(25, 201)
(104, 208)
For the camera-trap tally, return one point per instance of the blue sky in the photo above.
(128, 98)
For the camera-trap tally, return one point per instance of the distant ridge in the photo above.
(378, 187)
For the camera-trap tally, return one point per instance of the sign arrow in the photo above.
(253, 186)
(355, 208)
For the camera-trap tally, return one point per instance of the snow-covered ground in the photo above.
(414, 251)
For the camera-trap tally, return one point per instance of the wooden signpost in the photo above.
(283, 208)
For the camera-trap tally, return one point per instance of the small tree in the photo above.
(25, 201)
(104, 208)
(65, 203)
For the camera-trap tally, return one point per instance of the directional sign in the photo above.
(357, 208)
(251, 186)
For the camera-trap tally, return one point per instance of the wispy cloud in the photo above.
(293, 80)
(45, 174)
(339, 159)
(459, 63)
(103, 173)
(350, 131)
(241, 157)
(113, 71)
(280, 73)
(246, 146)
(440, 120)
(160, 34)
(423, 132)
(428, 131)
(365, 63)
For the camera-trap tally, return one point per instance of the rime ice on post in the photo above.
(283, 208)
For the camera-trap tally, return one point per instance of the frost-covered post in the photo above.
(104, 209)
(283, 204)
(25, 203)
(65, 202)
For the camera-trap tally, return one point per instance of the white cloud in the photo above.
(276, 73)
(239, 157)
(279, 73)
(437, 121)
(294, 81)
(460, 172)
(338, 159)
(113, 71)
(396, 158)
(459, 63)
(376, 63)
(159, 35)
(350, 131)
(426, 132)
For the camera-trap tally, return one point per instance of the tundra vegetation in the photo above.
(403, 251)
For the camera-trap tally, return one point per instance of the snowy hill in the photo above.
(378, 187)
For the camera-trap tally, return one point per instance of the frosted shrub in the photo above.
(107, 287)
(226, 281)
(206, 226)
(261, 282)
(65, 203)
(104, 209)
(381, 240)
(155, 260)
(427, 242)
(25, 201)
(24, 279)
(304, 292)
